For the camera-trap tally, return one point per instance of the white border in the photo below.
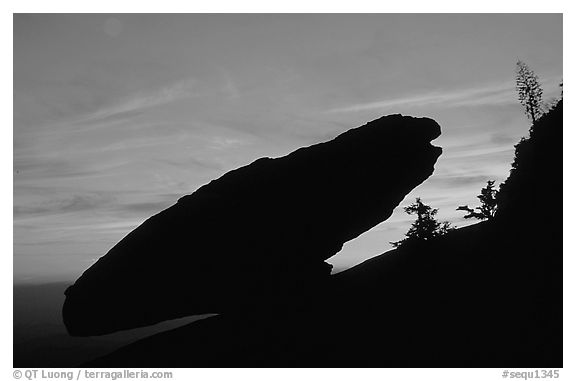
(299, 6)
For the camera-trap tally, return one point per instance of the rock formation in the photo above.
(486, 295)
(257, 237)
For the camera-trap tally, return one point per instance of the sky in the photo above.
(118, 116)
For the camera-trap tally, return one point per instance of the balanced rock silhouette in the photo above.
(256, 238)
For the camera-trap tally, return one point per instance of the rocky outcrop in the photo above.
(257, 237)
(486, 295)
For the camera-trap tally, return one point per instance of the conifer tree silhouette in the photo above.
(529, 91)
(426, 226)
(488, 204)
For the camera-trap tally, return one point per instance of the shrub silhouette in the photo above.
(426, 226)
(488, 204)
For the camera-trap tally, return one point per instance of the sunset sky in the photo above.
(117, 116)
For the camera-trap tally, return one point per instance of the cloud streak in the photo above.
(494, 94)
(72, 204)
(45, 167)
(132, 105)
(478, 96)
(116, 204)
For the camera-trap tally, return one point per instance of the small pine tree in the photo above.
(529, 91)
(488, 204)
(426, 226)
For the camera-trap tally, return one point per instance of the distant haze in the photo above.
(41, 340)
(117, 116)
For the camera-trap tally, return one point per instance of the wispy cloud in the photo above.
(492, 94)
(450, 181)
(132, 105)
(478, 152)
(230, 88)
(115, 204)
(71, 204)
(501, 138)
(46, 167)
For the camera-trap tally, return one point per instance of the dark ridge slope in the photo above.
(534, 187)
